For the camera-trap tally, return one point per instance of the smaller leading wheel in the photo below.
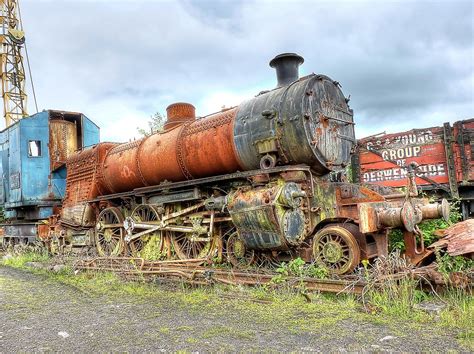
(336, 248)
(237, 253)
(110, 233)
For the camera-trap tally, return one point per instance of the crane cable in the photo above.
(28, 60)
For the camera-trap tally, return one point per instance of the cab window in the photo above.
(34, 148)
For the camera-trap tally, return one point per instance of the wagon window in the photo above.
(34, 148)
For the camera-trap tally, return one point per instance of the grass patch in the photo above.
(19, 261)
(459, 315)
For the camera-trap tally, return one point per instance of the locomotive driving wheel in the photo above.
(237, 253)
(190, 246)
(336, 248)
(110, 232)
(148, 246)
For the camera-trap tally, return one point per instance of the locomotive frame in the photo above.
(201, 220)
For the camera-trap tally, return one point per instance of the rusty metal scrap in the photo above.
(190, 271)
(459, 238)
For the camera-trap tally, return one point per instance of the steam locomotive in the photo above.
(253, 183)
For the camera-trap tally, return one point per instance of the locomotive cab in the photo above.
(34, 152)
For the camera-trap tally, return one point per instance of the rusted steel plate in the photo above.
(206, 146)
(83, 183)
(158, 159)
(121, 169)
(463, 134)
(43, 231)
(62, 142)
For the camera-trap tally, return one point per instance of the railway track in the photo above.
(193, 272)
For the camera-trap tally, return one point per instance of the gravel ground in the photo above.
(40, 314)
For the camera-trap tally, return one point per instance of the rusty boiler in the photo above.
(187, 149)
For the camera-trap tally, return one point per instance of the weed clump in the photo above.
(391, 286)
(298, 268)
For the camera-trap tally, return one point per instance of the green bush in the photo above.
(450, 264)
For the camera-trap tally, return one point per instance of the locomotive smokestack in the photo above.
(286, 66)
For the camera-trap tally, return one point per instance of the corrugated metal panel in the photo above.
(14, 164)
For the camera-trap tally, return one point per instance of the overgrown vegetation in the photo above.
(18, 260)
(393, 289)
(453, 264)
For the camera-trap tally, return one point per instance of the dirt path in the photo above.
(34, 310)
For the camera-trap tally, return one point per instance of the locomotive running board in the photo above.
(200, 181)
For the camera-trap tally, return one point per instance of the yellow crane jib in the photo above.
(12, 39)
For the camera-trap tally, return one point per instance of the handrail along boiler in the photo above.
(247, 184)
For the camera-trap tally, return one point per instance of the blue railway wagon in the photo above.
(33, 153)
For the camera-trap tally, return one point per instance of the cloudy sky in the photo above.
(406, 64)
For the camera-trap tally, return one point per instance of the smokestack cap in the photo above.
(286, 66)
